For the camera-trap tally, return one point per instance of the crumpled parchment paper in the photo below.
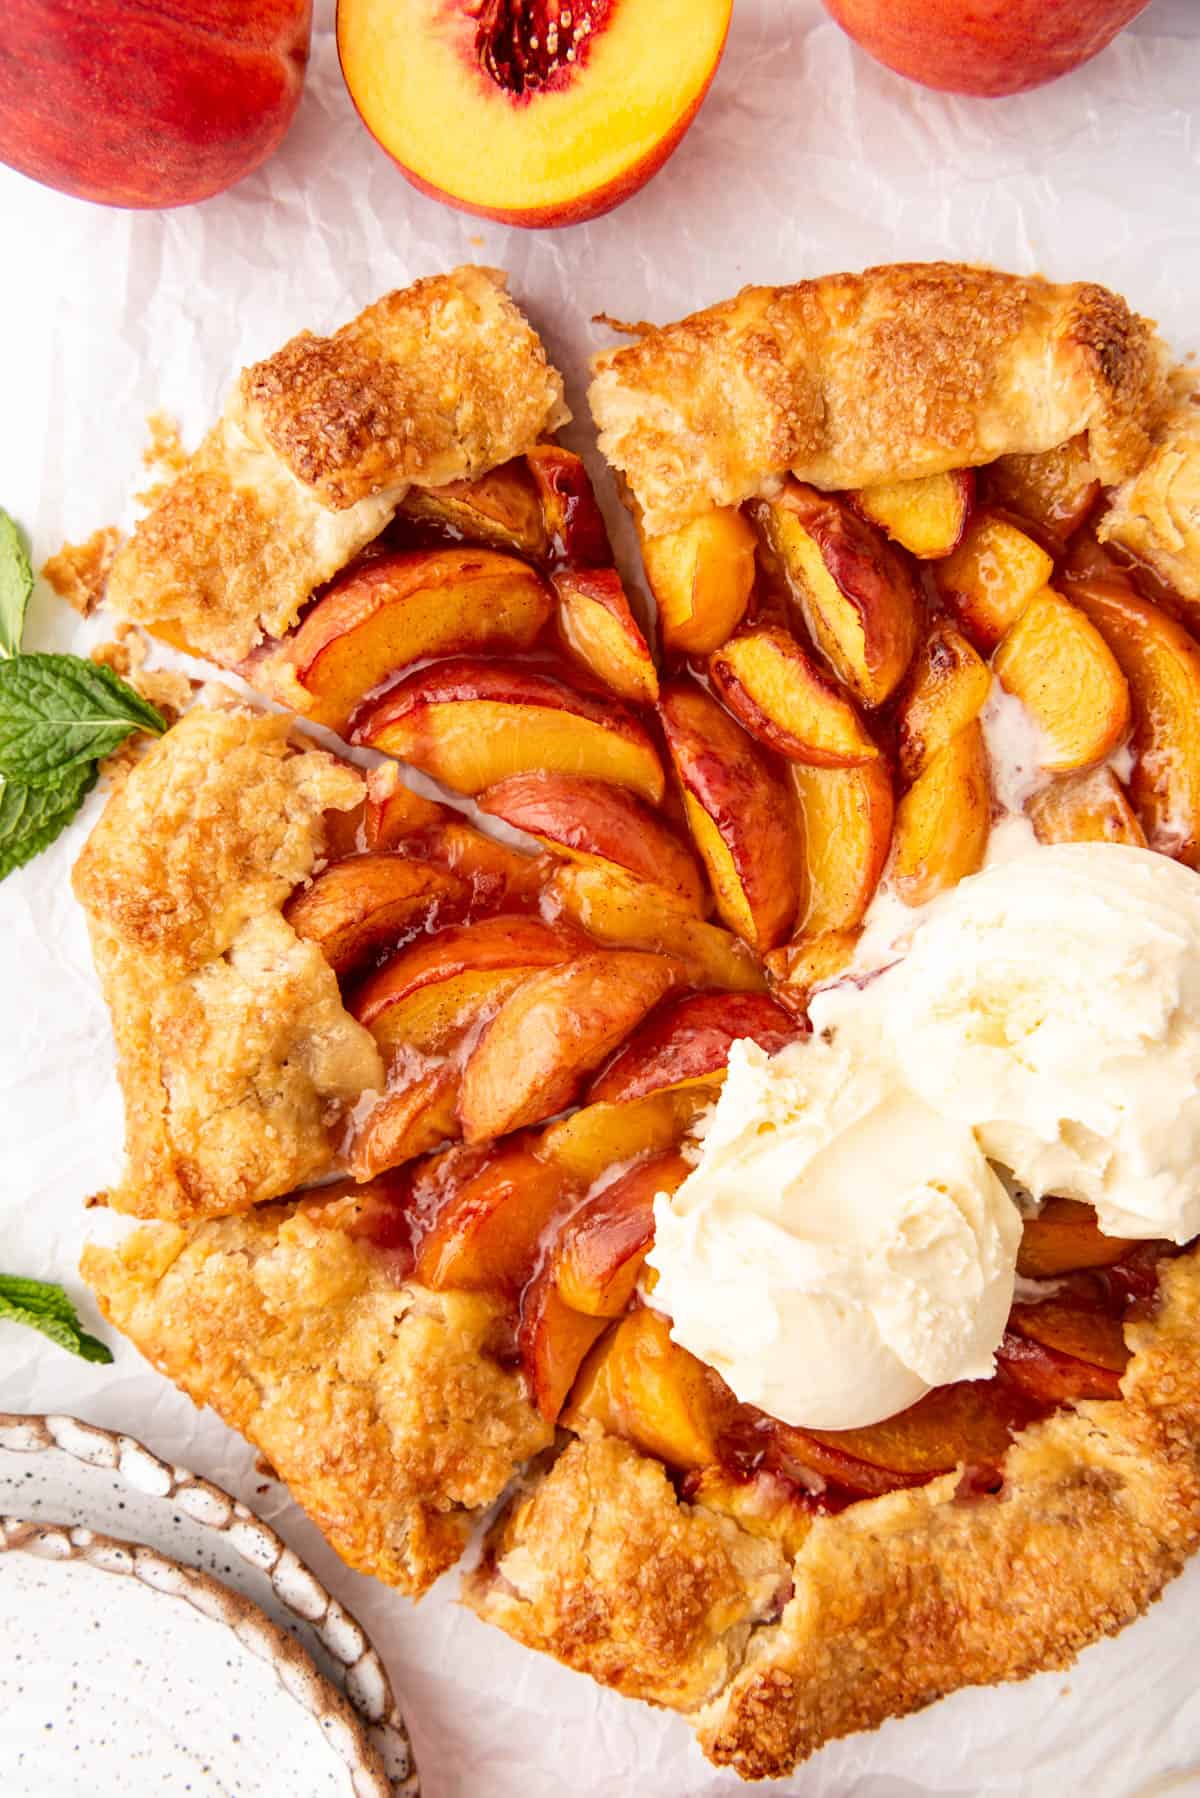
(807, 157)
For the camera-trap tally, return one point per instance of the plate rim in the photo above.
(362, 1683)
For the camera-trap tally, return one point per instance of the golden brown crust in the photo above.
(316, 447)
(900, 1600)
(378, 1403)
(1156, 514)
(901, 371)
(600, 1564)
(234, 1051)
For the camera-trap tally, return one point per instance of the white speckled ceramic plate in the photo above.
(247, 1632)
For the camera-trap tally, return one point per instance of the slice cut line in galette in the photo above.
(404, 1073)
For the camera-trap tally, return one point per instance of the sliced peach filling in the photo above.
(700, 844)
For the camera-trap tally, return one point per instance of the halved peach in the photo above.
(1054, 489)
(808, 962)
(393, 812)
(762, 1503)
(1161, 662)
(501, 508)
(784, 700)
(572, 518)
(991, 577)
(548, 1035)
(384, 614)
(845, 817)
(473, 723)
(1058, 665)
(598, 1137)
(688, 1040)
(1085, 808)
(943, 821)
(927, 516)
(489, 1219)
(701, 576)
(356, 906)
(599, 627)
(633, 914)
(600, 1250)
(1062, 1237)
(858, 597)
(409, 1120)
(428, 993)
(738, 812)
(945, 689)
(639, 1384)
(598, 824)
(553, 1340)
(530, 113)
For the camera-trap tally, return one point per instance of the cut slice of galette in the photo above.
(868, 506)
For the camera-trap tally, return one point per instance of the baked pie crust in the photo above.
(393, 1403)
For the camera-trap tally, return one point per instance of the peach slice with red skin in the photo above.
(1161, 663)
(702, 577)
(552, 1341)
(774, 688)
(409, 1120)
(393, 813)
(601, 1248)
(426, 995)
(926, 516)
(600, 826)
(943, 821)
(944, 690)
(1050, 1378)
(572, 517)
(970, 1423)
(1085, 808)
(688, 1040)
(473, 723)
(389, 611)
(501, 508)
(634, 914)
(639, 1384)
(489, 1214)
(1058, 665)
(856, 593)
(577, 106)
(359, 905)
(738, 812)
(1077, 1330)
(599, 628)
(548, 1035)
(991, 577)
(598, 1137)
(1064, 1236)
(1055, 489)
(845, 818)
(808, 962)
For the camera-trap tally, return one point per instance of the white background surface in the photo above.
(806, 158)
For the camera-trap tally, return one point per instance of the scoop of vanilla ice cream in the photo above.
(1052, 1004)
(840, 1248)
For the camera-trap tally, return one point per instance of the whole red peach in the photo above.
(985, 47)
(154, 104)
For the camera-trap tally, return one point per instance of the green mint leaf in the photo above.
(46, 1307)
(31, 817)
(57, 711)
(16, 584)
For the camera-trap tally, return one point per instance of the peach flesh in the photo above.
(570, 132)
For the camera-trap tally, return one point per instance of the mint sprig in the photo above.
(16, 584)
(46, 1307)
(58, 711)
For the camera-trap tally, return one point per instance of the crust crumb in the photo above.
(79, 572)
(164, 455)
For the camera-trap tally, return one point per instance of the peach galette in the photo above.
(922, 545)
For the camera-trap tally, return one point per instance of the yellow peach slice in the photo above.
(942, 822)
(776, 690)
(1058, 665)
(599, 627)
(991, 577)
(633, 914)
(927, 516)
(358, 905)
(701, 577)
(944, 690)
(845, 818)
(1085, 808)
(500, 508)
(639, 1384)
